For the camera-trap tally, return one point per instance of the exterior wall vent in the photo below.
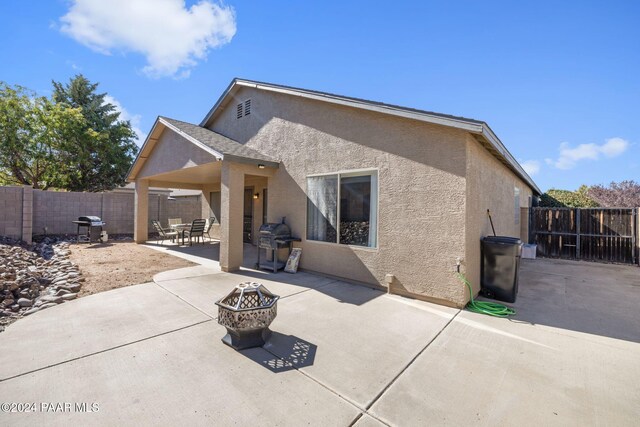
(239, 111)
(247, 107)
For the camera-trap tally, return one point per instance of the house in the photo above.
(382, 195)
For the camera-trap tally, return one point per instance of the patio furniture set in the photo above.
(197, 229)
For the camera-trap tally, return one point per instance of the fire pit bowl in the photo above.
(247, 312)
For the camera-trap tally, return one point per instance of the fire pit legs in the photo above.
(247, 313)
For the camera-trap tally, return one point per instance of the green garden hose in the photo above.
(484, 307)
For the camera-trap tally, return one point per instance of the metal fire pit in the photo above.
(247, 313)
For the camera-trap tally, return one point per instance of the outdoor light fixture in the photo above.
(256, 196)
(260, 166)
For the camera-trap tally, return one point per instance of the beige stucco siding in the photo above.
(173, 152)
(490, 185)
(421, 173)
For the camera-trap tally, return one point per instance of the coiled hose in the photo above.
(484, 307)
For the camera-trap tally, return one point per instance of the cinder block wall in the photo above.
(56, 210)
(188, 208)
(11, 212)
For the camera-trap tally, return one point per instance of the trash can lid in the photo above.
(502, 239)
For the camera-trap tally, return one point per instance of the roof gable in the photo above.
(219, 146)
(481, 131)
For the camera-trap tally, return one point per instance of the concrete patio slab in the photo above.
(597, 299)
(91, 324)
(497, 372)
(340, 354)
(203, 291)
(367, 421)
(186, 377)
(362, 338)
(559, 361)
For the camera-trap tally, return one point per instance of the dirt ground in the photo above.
(120, 263)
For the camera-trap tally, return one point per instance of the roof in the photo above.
(225, 147)
(214, 143)
(478, 128)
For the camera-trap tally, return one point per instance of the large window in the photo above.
(342, 208)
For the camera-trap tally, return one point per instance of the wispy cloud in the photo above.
(531, 167)
(134, 119)
(570, 156)
(172, 37)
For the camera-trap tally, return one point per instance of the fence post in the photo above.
(27, 213)
(578, 233)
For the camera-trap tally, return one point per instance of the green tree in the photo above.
(565, 198)
(32, 132)
(98, 157)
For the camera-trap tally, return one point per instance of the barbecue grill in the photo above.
(272, 237)
(93, 226)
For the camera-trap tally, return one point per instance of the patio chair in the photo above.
(162, 234)
(196, 230)
(174, 221)
(208, 228)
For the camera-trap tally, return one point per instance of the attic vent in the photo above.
(247, 107)
(239, 111)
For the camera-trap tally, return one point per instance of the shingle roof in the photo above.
(217, 142)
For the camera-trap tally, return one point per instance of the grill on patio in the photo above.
(93, 226)
(274, 236)
(247, 312)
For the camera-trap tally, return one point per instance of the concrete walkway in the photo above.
(340, 355)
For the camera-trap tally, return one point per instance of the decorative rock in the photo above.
(47, 305)
(68, 297)
(72, 287)
(31, 311)
(51, 299)
(25, 302)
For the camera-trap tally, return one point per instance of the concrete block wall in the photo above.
(25, 212)
(188, 208)
(11, 212)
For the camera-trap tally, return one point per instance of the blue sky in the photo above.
(559, 82)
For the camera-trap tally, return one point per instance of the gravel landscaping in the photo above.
(34, 277)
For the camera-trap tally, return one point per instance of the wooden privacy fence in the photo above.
(595, 234)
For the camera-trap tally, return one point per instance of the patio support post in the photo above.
(232, 192)
(141, 211)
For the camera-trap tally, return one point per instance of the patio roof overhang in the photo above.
(191, 174)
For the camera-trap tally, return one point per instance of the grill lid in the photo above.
(92, 220)
(275, 229)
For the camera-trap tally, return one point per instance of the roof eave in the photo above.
(474, 127)
(493, 139)
(136, 165)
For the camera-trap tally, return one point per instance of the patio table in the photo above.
(181, 228)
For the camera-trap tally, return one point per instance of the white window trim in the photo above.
(347, 172)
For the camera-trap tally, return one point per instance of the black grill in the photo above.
(91, 227)
(274, 236)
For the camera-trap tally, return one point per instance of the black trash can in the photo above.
(500, 266)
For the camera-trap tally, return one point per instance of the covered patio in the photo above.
(224, 170)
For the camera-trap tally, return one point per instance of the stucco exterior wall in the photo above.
(173, 152)
(490, 185)
(421, 173)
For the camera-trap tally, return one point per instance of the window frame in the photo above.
(339, 174)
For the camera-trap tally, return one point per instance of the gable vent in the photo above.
(239, 111)
(247, 107)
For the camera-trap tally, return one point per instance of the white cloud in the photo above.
(170, 36)
(134, 119)
(531, 167)
(569, 156)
